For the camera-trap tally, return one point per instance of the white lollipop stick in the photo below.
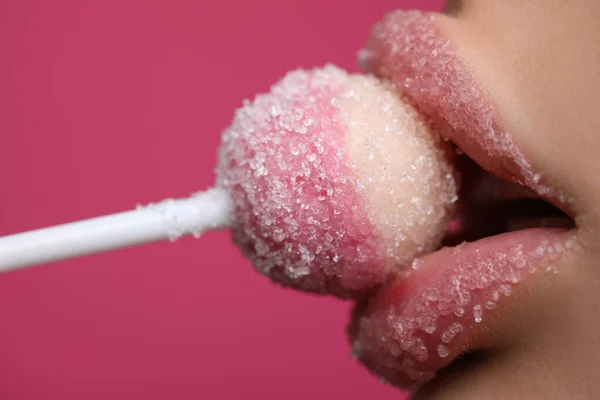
(169, 219)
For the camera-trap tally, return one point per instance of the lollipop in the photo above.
(329, 183)
(335, 181)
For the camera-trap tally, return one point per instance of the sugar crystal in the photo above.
(443, 351)
(477, 313)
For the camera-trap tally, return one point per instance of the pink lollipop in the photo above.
(335, 181)
(329, 183)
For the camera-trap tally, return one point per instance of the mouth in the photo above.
(513, 224)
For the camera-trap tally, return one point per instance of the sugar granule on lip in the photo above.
(477, 313)
(443, 351)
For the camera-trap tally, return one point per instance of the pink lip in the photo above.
(419, 323)
(410, 49)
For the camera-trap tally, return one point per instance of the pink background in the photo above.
(104, 104)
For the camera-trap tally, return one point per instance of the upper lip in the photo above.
(410, 49)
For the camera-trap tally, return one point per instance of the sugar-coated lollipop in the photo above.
(329, 183)
(335, 181)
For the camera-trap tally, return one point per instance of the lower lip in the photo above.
(419, 323)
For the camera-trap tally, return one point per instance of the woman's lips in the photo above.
(410, 49)
(419, 323)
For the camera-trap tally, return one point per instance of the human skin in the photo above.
(538, 64)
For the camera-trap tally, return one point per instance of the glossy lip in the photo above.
(419, 323)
